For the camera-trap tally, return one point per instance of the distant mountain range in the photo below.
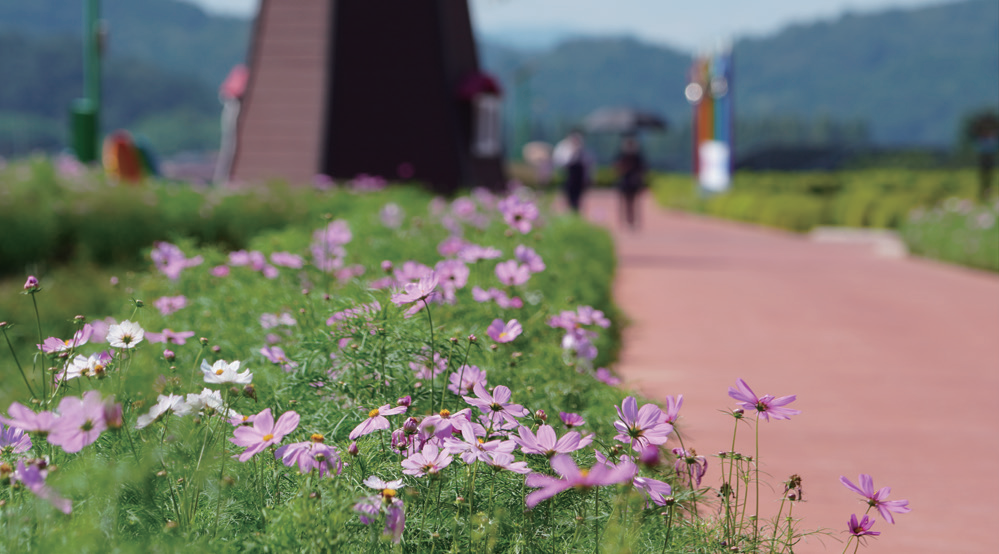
(907, 75)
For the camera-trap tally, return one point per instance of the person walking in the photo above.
(630, 167)
(570, 153)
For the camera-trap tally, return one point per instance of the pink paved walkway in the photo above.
(895, 364)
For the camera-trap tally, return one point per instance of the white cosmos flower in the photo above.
(173, 402)
(210, 399)
(376, 482)
(125, 334)
(222, 373)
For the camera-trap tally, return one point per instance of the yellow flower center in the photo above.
(584, 472)
(218, 372)
(373, 413)
(268, 437)
(445, 413)
(388, 493)
(316, 437)
(66, 342)
(502, 335)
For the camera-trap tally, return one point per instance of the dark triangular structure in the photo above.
(387, 87)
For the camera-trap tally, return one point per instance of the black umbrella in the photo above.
(622, 120)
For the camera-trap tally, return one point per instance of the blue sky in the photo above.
(687, 24)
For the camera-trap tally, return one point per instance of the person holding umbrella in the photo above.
(630, 168)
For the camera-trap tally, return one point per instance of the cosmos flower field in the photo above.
(401, 373)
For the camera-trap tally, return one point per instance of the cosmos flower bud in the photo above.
(411, 427)
(31, 285)
(3, 324)
(250, 392)
(79, 319)
(738, 413)
(305, 292)
(649, 456)
(235, 391)
(453, 340)
(138, 303)
(404, 401)
(352, 449)
(216, 349)
(472, 338)
(169, 356)
(387, 266)
(203, 341)
(113, 414)
(540, 416)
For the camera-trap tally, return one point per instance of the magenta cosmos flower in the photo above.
(496, 406)
(13, 440)
(429, 460)
(170, 336)
(264, 432)
(547, 442)
(640, 427)
(414, 292)
(33, 479)
(464, 380)
(55, 344)
(511, 273)
(311, 454)
(529, 258)
(81, 421)
(878, 499)
(504, 332)
(376, 420)
(766, 406)
(170, 304)
(571, 420)
(519, 214)
(597, 476)
(862, 527)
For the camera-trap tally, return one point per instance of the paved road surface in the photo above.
(895, 363)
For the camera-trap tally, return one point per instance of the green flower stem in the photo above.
(38, 322)
(433, 346)
(756, 468)
(17, 362)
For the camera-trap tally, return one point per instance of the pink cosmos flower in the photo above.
(33, 479)
(451, 246)
(170, 259)
(605, 376)
(505, 460)
(689, 464)
(170, 304)
(863, 527)
(672, 412)
(445, 424)
(54, 344)
(309, 455)
(276, 355)
(287, 259)
(597, 476)
(391, 215)
(376, 420)
(473, 448)
(422, 367)
(387, 500)
(472, 253)
(510, 273)
(587, 315)
(430, 460)
(877, 499)
(220, 271)
(580, 341)
(27, 420)
(269, 321)
(504, 332)
(547, 442)
(766, 406)
(529, 258)
(13, 440)
(496, 406)
(170, 336)
(656, 490)
(640, 427)
(264, 432)
(464, 380)
(81, 421)
(519, 214)
(414, 292)
(453, 275)
(571, 420)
